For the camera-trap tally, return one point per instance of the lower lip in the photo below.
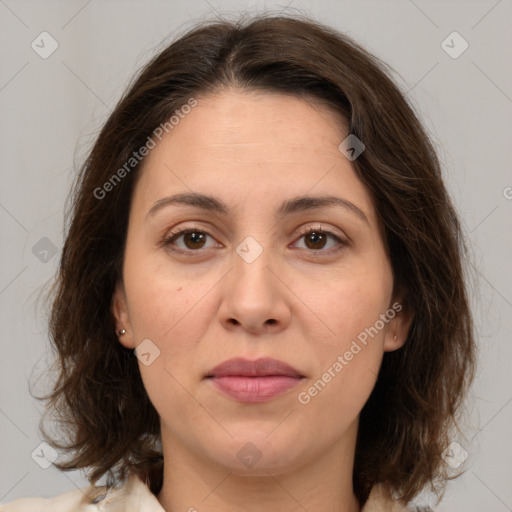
(254, 390)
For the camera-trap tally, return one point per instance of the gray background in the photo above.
(51, 109)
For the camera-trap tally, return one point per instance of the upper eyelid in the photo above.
(318, 225)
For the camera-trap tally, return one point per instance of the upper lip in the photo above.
(262, 367)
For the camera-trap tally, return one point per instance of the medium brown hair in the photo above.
(111, 426)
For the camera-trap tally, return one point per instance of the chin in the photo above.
(255, 452)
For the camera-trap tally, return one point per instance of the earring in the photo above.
(121, 332)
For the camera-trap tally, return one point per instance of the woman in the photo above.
(263, 222)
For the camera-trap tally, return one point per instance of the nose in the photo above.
(254, 298)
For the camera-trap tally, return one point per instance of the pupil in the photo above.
(316, 238)
(195, 238)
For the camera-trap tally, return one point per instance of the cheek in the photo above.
(349, 350)
(347, 371)
(174, 314)
(345, 307)
(161, 299)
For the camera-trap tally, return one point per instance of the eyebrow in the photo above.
(288, 207)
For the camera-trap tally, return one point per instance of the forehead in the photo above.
(242, 120)
(259, 144)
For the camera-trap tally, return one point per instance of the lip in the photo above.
(254, 381)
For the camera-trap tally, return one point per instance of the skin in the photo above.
(298, 302)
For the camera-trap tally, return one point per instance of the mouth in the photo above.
(254, 381)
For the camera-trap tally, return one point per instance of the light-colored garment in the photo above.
(135, 496)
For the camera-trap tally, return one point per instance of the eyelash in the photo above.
(173, 236)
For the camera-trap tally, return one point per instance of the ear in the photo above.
(121, 316)
(400, 320)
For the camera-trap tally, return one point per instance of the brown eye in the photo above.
(315, 240)
(320, 240)
(187, 240)
(194, 239)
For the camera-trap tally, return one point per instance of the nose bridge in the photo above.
(251, 274)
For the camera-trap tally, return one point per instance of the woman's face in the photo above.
(249, 282)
